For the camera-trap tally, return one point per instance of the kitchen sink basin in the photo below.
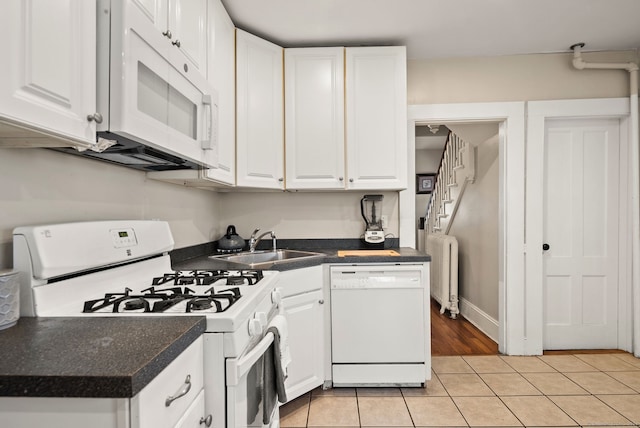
(265, 259)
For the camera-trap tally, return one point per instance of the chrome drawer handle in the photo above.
(206, 421)
(187, 387)
(176, 43)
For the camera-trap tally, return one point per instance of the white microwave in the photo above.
(159, 111)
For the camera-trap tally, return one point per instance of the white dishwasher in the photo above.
(380, 329)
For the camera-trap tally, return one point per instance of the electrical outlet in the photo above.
(384, 220)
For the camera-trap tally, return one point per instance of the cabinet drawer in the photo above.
(149, 409)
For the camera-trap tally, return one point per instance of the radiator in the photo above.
(443, 250)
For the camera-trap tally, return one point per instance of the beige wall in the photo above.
(515, 78)
(476, 229)
(41, 186)
(304, 214)
(509, 78)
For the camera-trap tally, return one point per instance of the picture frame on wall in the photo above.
(425, 183)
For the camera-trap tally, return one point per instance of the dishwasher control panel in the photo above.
(365, 277)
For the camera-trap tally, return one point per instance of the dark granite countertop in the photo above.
(99, 357)
(197, 257)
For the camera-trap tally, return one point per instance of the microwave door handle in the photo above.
(238, 367)
(208, 142)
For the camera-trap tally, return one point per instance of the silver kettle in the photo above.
(231, 242)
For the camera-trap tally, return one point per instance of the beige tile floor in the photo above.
(589, 390)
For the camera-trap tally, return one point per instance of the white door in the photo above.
(581, 213)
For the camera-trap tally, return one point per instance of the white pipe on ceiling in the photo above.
(632, 68)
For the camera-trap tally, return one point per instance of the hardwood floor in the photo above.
(457, 337)
(460, 337)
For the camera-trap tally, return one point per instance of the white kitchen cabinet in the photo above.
(376, 112)
(314, 118)
(304, 309)
(357, 92)
(146, 409)
(184, 25)
(222, 69)
(260, 116)
(48, 77)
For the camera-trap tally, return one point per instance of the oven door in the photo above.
(251, 402)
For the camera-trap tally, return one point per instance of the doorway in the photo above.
(520, 230)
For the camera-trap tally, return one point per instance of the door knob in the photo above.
(545, 247)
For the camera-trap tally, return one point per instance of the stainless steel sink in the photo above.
(265, 259)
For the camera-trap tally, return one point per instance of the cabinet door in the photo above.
(314, 118)
(260, 127)
(48, 77)
(376, 111)
(304, 314)
(188, 22)
(222, 75)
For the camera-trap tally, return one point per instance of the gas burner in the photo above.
(200, 304)
(136, 304)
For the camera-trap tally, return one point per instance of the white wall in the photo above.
(42, 186)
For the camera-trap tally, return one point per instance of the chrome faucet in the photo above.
(253, 241)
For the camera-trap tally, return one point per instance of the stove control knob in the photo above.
(255, 328)
(276, 297)
(262, 319)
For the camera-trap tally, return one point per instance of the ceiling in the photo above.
(444, 28)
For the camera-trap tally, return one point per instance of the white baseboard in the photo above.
(480, 319)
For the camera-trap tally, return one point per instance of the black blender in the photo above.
(371, 213)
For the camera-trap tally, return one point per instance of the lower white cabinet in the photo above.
(147, 409)
(304, 310)
(168, 397)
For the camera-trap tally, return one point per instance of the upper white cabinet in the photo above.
(314, 118)
(48, 76)
(183, 23)
(222, 75)
(376, 111)
(260, 127)
(357, 92)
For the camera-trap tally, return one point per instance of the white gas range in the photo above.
(122, 268)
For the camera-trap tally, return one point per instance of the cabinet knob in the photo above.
(321, 301)
(95, 116)
(176, 43)
(281, 179)
(167, 33)
(206, 421)
(351, 180)
(341, 178)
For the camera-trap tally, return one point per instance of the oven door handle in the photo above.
(238, 367)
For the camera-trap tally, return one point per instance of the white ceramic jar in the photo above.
(9, 298)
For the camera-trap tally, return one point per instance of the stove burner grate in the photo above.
(154, 300)
(209, 277)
